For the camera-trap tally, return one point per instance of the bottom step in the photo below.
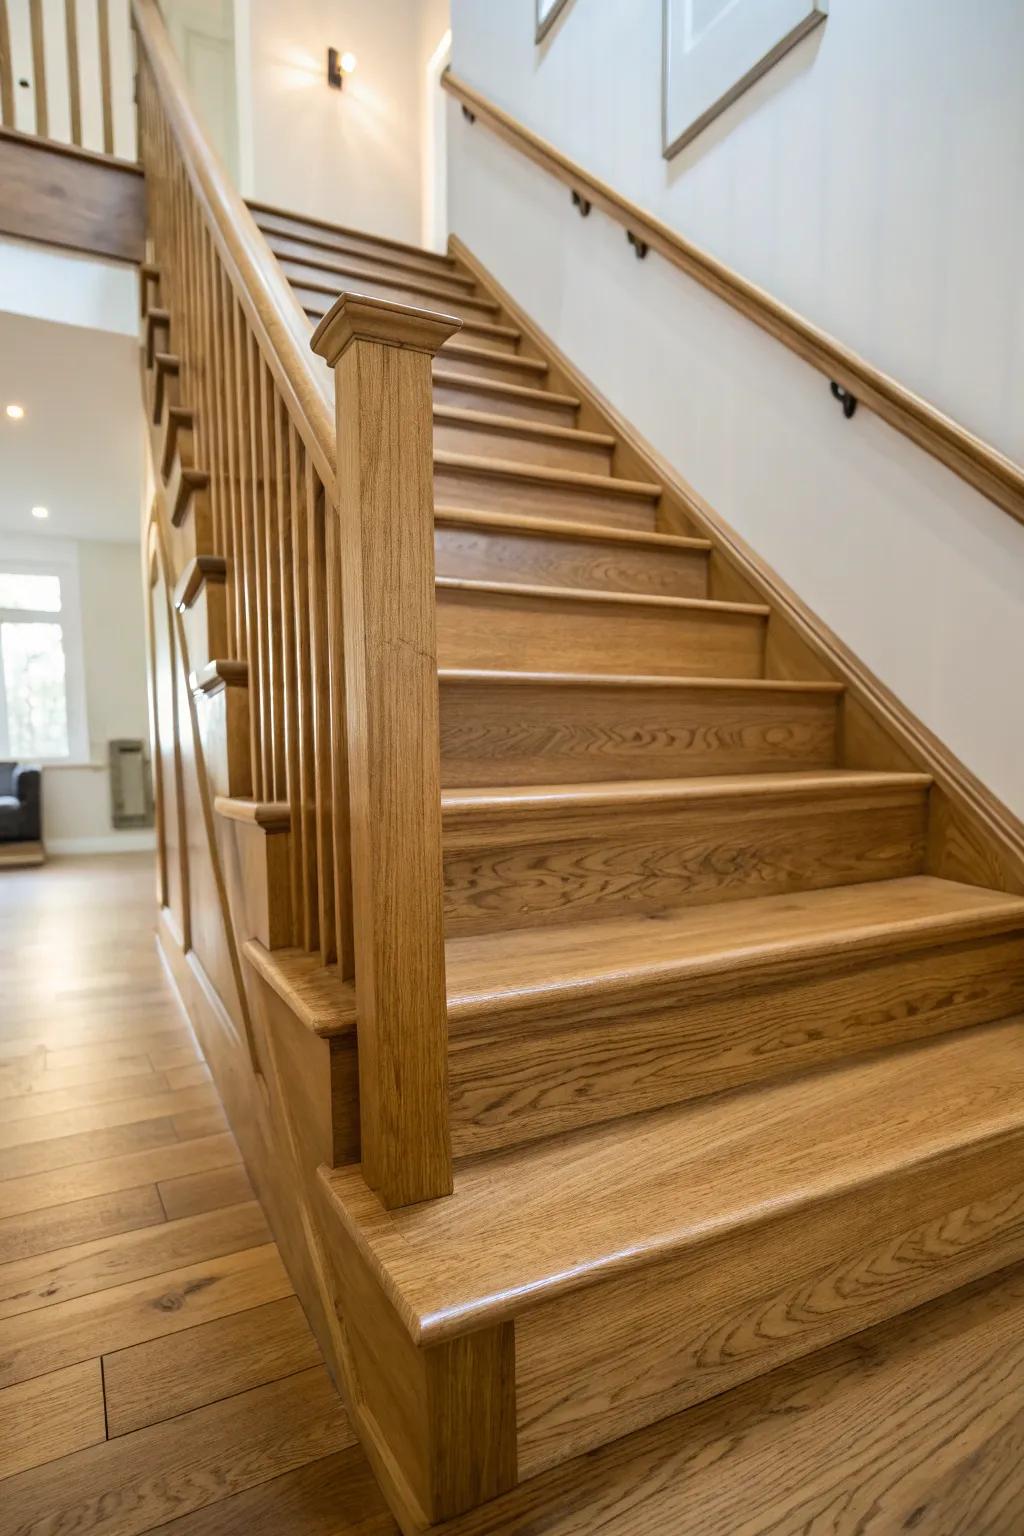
(571, 1292)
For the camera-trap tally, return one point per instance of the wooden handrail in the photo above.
(997, 477)
(273, 310)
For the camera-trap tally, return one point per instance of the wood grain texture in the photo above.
(331, 250)
(130, 1170)
(517, 728)
(385, 512)
(170, 1470)
(500, 626)
(481, 546)
(50, 1417)
(477, 432)
(466, 392)
(148, 1383)
(61, 196)
(209, 1190)
(968, 456)
(503, 485)
(60, 1226)
(526, 856)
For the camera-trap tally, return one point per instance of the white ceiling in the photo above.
(79, 449)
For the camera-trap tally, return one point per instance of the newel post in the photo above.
(381, 354)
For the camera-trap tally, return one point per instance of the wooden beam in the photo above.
(382, 353)
(61, 195)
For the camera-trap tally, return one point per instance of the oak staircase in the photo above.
(686, 985)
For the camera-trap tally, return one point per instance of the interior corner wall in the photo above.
(871, 180)
(353, 156)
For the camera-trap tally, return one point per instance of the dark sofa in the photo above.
(20, 804)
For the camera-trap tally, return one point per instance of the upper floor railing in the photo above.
(66, 73)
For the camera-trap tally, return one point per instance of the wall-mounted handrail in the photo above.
(997, 477)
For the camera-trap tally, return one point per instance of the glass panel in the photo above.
(41, 593)
(34, 681)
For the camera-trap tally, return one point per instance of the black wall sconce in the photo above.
(338, 66)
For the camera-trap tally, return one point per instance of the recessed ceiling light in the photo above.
(15, 412)
(40, 512)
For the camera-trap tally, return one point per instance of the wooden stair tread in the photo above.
(529, 1225)
(393, 277)
(468, 327)
(553, 527)
(612, 795)
(539, 474)
(219, 673)
(453, 676)
(266, 212)
(200, 569)
(458, 348)
(523, 590)
(493, 387)
(514, 425)
(315, 993)
(328, 257)
(525, 968)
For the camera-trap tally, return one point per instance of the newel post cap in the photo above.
(358, 317)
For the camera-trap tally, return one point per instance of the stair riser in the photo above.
(465, 398)
(479, 554)
(366, 245)
(479, 490)
(205, 625)
(487, 629)
(518, 869)
(599, 1364)
(416, 290)
(550, 453)
(550, 733)
(191, 515)
(316, 260)
(538, 1074)
(463, 356)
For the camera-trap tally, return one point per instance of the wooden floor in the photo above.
(156, 1370)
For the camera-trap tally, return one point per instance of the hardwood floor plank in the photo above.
(91, 1146)
(49, 1417)
(48, 1338)
(188, 1077)
(205, 1191)
(165, 1058)
(35, 1075)
(81, 1181)
(58, 1226)
(27, 1284)
(335, 1496)
(200, 1122)
(140, 1481)
(168, 1376)
(96, 1117)
(68, 1101)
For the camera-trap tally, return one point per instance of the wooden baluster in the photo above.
(249, 491)
(381, 354)
(304, 798)
(326, 743)
(236, 585)
(39, 69)
(74, 84)
(341, 859)
(285, 560)
(106, 77)
(274, 721)
(6, 70)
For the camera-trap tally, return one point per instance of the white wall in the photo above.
(872, 180)
(351, 156)
(922, 577)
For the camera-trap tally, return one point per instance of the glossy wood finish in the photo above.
(381, 356)
(502, 485)
(977, 462)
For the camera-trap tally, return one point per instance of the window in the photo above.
(41, 713)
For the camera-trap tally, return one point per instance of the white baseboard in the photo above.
(140, 841)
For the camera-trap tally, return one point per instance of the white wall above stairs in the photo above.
(918, 574)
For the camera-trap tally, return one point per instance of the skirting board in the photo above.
(141, 841)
